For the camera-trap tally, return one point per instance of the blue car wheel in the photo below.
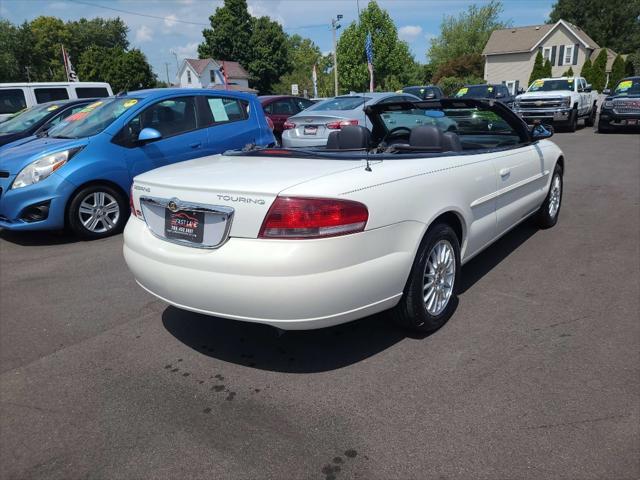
(97, 211)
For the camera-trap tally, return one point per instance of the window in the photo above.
(568, 55)
(44, 95)
(546, 53)
(283, 107)
(91, 92)
(349, 102)
(188, 76)
(212, 76)
(225, 109)
(12, 100)
(302, 103)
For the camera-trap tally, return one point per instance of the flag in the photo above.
(68, 68)
(368, 48)
(222, 75)
(314, 77)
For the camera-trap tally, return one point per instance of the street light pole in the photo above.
(173, 52)
(166, 66)
(334, 27)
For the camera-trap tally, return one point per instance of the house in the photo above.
(207, 73)
(510, 53)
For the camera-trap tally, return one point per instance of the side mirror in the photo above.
(499, 95)
(588, 88)
(429, 96)
(606, 91)
(149, 135)
(540, 131)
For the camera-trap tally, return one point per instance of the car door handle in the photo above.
(505, 172)
(195, 145)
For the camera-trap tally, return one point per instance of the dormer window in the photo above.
(212, 76)
(188, 76)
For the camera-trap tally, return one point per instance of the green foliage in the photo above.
(586, 71)
(393, 64)
(9, 65)
(568, 73)
(269, 54)
(124, 70)
(632, 65)
(450, 85)
(547, 69)
(303, 54)
(538, 68)
(465, 34)
(464, 66)
(612, 23)
(229, 35)
(598, 71)
(617, 71)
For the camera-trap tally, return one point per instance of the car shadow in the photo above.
(309, 351)
(37, 238)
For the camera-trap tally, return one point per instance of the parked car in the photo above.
(621, 107)
(38, 120)
(559, 101)
(308, 238)
(280, 107)
(426, 92)
(497, 91)
(80, 174)
(313, 126)
(18, 96)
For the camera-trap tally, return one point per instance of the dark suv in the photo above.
(427, 92)
(497, 91)
(621, 108)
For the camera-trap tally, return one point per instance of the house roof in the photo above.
(525, 39)
(233, 69)
(198, 64)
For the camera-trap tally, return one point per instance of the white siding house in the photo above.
(207, 73)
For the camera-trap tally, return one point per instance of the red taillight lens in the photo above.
(288, 125)
(342, 123)
(134, 212)
(270, 123)
(295, 217)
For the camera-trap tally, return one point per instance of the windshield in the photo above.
(420, 92)
(629, 86)
(25, 120)
(551, 85)
(339, 103)
(475, 91)
(93, 118)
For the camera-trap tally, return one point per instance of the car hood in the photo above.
(6, 138)
(552, 94)
(15, 157)
(610, 97)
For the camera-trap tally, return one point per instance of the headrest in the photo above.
(426, 136)
(350, 137)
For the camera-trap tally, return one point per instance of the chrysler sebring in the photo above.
(381, 218)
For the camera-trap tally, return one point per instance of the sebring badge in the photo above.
(173, 206)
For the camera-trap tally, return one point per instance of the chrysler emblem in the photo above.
(173, 206)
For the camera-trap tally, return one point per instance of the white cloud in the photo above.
(190, 50)
(410, 33)
(170, 20)
(144, 34)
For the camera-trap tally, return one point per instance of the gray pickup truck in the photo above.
(558, 101)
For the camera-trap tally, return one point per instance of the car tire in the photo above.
(591, 119)
(604, 128)
(97, 211)
(573, 121)
(549, 212)
(425, 308)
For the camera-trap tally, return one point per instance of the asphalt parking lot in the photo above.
(536, 376)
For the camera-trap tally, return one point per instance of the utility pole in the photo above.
(166, 67)
(173, 52)
(28, 73)
(334, 27)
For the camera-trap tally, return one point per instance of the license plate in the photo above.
(632, 122)
(310, 130)
(184, 225)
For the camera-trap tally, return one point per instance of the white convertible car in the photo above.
(379, 219)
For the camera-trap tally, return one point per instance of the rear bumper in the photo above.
(289, 140)
(289, 284)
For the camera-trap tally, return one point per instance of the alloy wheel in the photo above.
(99, 212)
(439, 277)
(555, 196)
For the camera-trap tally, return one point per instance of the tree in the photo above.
(229, 35)
(599, 71)
(9, 65)
(466, 34)
(123, 70)
(586, 70)
(47, 35)
(393, 64)
(450, 85)
(617, 71)
(538, 68)
(464, 66)
(568, 73)
(269, 55)
(613, 24)
(107, 33)
(632, 65)
(303, 54)
(547, 69)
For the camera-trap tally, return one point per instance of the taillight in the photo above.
(341, 123)
(134, 212)
(288, 125)
(298, 218)
(270, 123)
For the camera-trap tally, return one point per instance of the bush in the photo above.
(538, 69)
(568, 73)
(450, 85)
(471, 65)
(617, 71)
(598, 72)
(587, 68)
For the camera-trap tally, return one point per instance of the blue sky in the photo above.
(417, 20)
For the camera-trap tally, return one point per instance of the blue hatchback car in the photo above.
(79, 176)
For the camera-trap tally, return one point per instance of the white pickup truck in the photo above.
(558, 101)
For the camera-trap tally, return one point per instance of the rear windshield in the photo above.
(629, 86)
(11, 100)
(93, 118)
(476, 91)
(25, 120)
(340, 103)
(420, 92)
(551, 85)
